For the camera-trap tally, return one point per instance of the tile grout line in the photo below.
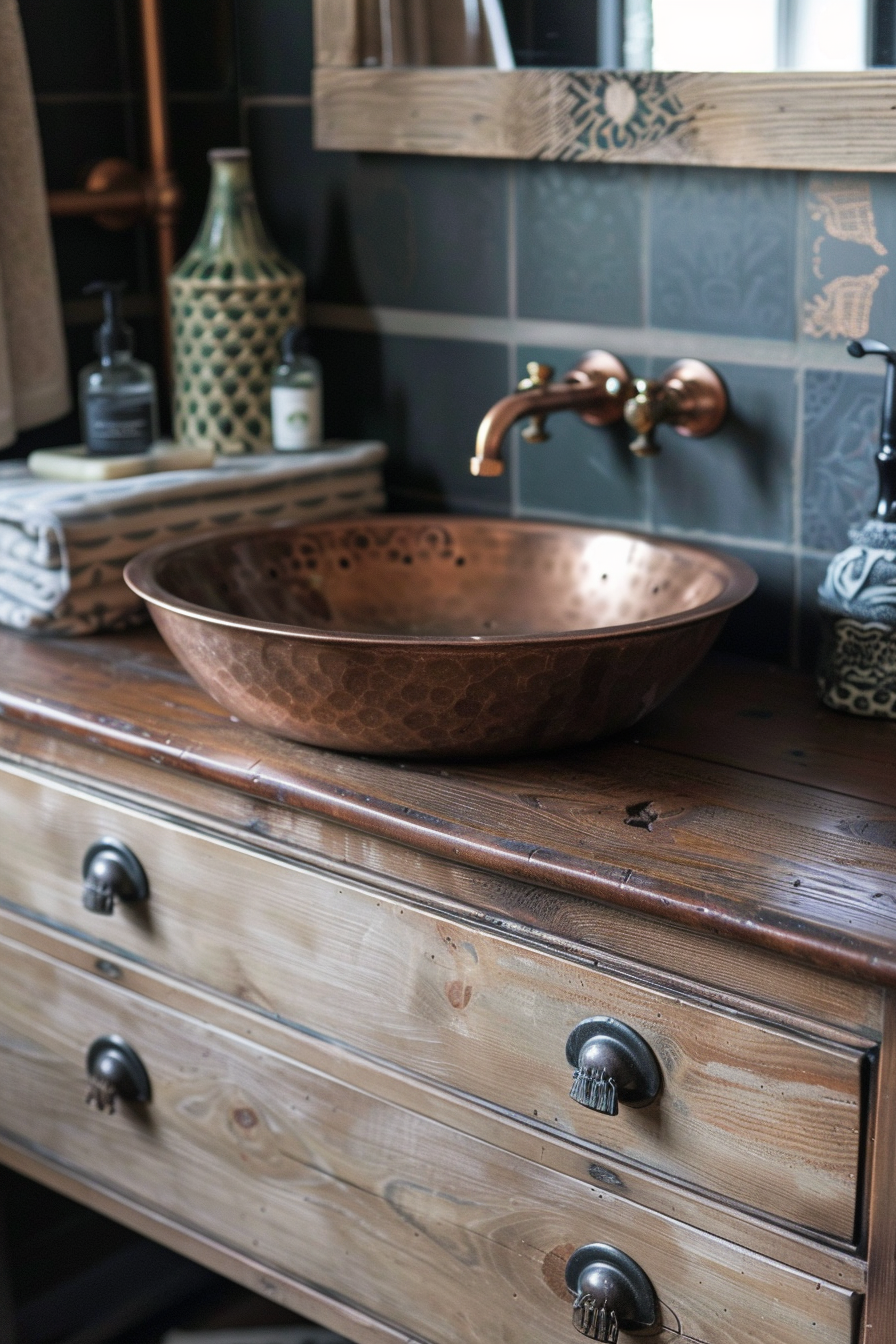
(796, 619)
(646, 306)
(658, 342)
(276, 99)
(512, 451)
(798, 461)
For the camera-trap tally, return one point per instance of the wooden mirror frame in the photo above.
(842, 122)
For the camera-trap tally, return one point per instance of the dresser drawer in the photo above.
(767, 1117)
(441, 1234)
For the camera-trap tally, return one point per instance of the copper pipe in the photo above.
(128, 197)
(70, 204)
(166, 190)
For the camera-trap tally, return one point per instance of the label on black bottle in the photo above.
(117, 428)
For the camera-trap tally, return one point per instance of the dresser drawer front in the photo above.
(442, 1235)
(766, 1117)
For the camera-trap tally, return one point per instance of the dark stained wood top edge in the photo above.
(145, 708)
(798, 934)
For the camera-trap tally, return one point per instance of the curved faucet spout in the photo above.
(597, 388)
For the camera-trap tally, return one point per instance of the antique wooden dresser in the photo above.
(316, 1021)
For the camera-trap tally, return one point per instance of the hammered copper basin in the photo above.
(440, 636)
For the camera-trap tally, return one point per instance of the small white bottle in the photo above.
(296, 397)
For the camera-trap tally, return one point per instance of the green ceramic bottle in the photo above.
(232, 298)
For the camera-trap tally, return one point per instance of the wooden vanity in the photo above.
(353, 982)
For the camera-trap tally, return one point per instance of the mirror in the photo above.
(663, 35)
(796, 84)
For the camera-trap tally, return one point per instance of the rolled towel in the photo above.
(63, 547)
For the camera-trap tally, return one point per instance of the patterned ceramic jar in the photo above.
(857, 670)
(232, 297)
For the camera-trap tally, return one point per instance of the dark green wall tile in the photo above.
(848, 245)
(579, 242)
(85, 252)
(426, 399)
(841, 434)
(812, 572)
(723, 249)
(196, 128)
(199, 46)
(399, 231)
(761, 628)
(275, 42)
(582, 472)
(74, 46)
(75, 136)
(739, 482)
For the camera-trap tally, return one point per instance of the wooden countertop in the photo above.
(775, 819)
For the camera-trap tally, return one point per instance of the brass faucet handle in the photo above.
(643, 412)
(535, 431)
(539, 378)
(539, 375)
(689, 396)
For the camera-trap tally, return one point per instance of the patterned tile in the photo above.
(841, 430)
(400, 231)
(723, 249)
(761, 628)
(740, 481)
(275, 46)
(582, 472)
(579, 241)
(425, 398)
(848, 231)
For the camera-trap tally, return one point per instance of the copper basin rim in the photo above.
(438, 636)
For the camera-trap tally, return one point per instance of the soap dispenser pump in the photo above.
(117, 393)
(857, 670)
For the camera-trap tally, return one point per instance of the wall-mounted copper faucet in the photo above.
(689, 396)
(597, 388)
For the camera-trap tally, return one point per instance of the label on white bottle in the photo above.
(296, 418)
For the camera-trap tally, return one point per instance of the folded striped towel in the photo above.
(63, 547)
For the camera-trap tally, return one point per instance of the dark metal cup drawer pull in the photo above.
(611, 1064)
(111, 873)
(611, 1293)
(115, 1071)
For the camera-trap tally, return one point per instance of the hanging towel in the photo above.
(63, 547)
(33, 373)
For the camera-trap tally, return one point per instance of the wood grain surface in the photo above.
(743, 851)
(785, 119)
(336, 32)
(442, 1235)
(810, 1253)
(765, 1116)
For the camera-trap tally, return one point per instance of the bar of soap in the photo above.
(76, 464)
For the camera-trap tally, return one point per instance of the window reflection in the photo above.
(633, 34)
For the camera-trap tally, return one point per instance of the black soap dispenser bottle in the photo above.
(117, 394)
(857, 669)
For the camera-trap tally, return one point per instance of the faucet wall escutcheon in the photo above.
(690, 396)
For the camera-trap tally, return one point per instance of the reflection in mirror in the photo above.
(734, 35)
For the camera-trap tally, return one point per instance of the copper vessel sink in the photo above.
(438, 636)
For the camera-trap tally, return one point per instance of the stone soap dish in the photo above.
(76, 464)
